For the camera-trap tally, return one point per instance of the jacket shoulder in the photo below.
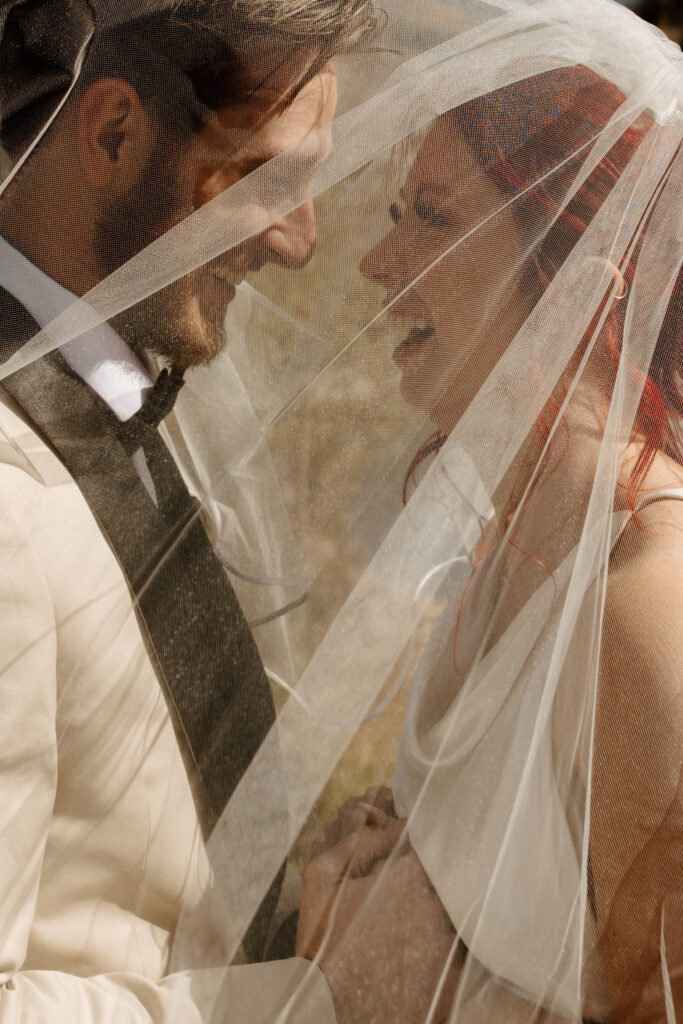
(24, 456)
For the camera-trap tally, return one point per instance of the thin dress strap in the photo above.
(663, 495)
(666, 494)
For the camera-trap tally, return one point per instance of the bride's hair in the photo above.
(531, 137)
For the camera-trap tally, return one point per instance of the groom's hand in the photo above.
(382, 939)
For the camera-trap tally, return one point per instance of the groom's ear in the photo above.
(115, 135)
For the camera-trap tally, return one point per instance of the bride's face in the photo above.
(446, 265)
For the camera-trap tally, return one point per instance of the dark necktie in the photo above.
(203, 646)
(141, 431)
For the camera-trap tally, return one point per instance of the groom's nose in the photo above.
(290, 241)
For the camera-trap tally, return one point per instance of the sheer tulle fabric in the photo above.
(471, 642)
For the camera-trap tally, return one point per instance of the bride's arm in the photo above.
(636, 839)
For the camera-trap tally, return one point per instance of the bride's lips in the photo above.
(412, 344)
(406, 307)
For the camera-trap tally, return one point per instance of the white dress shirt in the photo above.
(100, 356)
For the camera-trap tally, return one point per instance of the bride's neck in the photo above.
(576, 439)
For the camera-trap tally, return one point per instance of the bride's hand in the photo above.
(377, 930)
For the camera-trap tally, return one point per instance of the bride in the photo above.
(533, 272)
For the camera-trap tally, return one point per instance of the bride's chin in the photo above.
(415, 393)
(442, 405)
(448, 409)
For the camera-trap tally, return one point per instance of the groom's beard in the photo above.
(168, 322)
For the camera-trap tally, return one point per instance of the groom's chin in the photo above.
(204, 335)
(194, 336)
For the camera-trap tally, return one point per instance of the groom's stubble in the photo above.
(184, 320)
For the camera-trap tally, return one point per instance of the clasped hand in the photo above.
(373, 923)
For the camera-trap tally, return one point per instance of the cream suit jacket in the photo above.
(100, 846)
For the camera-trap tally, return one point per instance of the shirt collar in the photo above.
(100, 357)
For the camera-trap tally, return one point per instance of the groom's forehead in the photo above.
(253, 133)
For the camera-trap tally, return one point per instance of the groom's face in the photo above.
(184, 321)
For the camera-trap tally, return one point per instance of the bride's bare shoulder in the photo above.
(635, 780)
(640, 709)
(643, 639)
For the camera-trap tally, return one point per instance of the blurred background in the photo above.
(665, 14)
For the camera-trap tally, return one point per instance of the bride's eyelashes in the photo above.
(427, 212)
(430, 214)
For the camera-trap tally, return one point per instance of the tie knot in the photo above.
(155, 408)
(161, 398)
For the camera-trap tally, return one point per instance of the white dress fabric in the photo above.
(485, 866)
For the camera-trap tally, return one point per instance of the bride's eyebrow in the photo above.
(433, 186)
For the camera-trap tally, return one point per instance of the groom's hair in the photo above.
(192, 57)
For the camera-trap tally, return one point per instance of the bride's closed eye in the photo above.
(427, 212)
(431, 214)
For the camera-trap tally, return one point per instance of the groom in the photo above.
(122, 730)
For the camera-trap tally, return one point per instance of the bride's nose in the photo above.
(382, 264)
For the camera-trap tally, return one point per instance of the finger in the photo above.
(381, 797)
(377, 868)
(358, 812)
(349, 818)
(376, 844)
(367, 814)
(341, 825)
(357, 852)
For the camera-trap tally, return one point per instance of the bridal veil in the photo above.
(431, 461)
